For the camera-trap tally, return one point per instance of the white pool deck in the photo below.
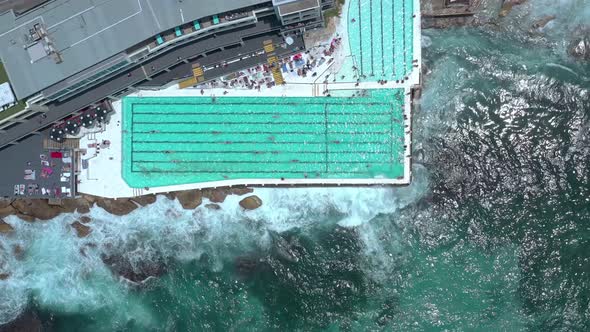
(103, 177)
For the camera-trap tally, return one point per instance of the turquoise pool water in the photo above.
(181, 140)
(380, 34)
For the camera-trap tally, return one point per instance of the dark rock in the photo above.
(25, 217)
(7, 211)
(189, 199)
(5, 228)
(119, 207)
(81, 229)
(246, 265)
(90, 199)
(18, 251)
(579, 48)
(144, 200)
(216, 195)
(507, 6)
(251, 202)
(26, 322)
(540, 23)
(75, 204)
(6, 208)
(241, 190)
(85, 219)
(36, 208)
(141, 272)
(4, 276)
(212, 206)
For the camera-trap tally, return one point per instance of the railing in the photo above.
(205, 29)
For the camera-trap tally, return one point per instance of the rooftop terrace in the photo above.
(82, 33)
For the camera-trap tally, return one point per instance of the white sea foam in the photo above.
(66, 274)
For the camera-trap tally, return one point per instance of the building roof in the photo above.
(81, 33)
(297, 6)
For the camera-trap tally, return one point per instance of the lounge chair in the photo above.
(196, 25)
(215, 19)
(159, 40)
(177, 32)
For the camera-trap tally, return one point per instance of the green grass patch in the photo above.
(3, 74)
(12, 110)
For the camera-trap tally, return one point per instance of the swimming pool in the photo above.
(184, 140)
(380, 35)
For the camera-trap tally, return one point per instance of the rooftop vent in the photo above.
(39, 45)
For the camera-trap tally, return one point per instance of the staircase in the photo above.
(273, 62)
(138, 192)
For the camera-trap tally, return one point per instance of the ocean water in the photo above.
(493, 234)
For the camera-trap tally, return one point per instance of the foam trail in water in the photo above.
(66, 274)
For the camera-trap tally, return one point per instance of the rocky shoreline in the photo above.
(42, 209)
(32, 210)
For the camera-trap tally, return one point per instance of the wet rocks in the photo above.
(29, 209)
(18, 251)
(246, 265)
(137, 272)
(507, 6)
(81, 229)
(189, 199)
(4, 276)
(85, 219)
(216, 195)
(75, 205)
(6, 208)
(144, 200)
(5, 228)
(213, 206)
(239, 191)
(580, 48)
(251, 202)
(118, 207)
(542, 22)
(27, 321)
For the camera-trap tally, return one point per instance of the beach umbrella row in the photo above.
(57, 134)
(72, 126)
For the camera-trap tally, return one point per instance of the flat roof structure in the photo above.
(297, 6)
(181, 140)
(82, 33)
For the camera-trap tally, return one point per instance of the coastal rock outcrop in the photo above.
(6, 208)
(136, 272)
(81, 229)
(239, 191)
(18, 251)
(145, 200)
(507, 6)
(118, 207)
(251, 202)
(213, 206)
(580, 48)
(27, 321)
(5, 228)
(543, 21)
(75, 205)
(189, 199)
(85, 219)
(216, 195)
(4, 276)
(29, 209)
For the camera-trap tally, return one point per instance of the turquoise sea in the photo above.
(492, 235)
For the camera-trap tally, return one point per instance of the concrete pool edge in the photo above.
(105, 176)
(394, 100)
